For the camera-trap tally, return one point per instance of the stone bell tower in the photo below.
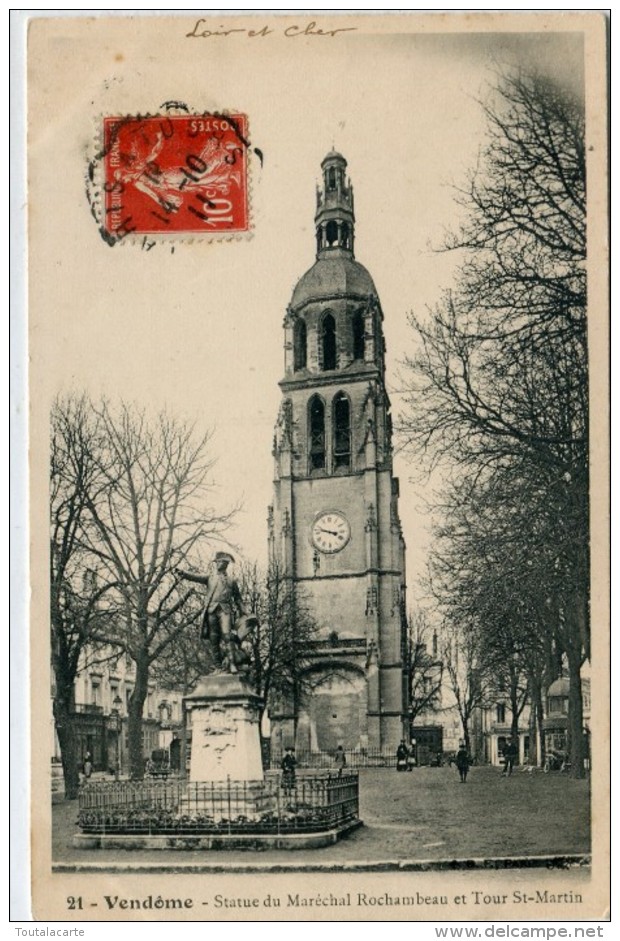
(334, 527)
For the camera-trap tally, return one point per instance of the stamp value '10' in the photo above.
(176, 174)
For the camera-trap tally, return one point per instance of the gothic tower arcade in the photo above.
(334, 527)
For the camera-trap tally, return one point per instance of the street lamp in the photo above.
(116, 711)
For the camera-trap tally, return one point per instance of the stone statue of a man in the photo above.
(222, 610)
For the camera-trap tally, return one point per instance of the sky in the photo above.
(198, 330)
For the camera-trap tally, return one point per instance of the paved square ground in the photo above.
(426, 814)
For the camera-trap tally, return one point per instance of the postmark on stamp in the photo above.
(171, 174)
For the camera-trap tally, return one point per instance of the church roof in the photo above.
(332, 155)
(334, 274)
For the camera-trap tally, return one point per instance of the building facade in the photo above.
(493, 724)
(555, 724)
(102, 689)
(334, 527)
(492, 729)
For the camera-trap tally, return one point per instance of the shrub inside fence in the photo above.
(313, 803)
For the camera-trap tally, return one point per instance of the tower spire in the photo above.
(334, 219)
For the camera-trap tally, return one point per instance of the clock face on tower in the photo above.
(330, 531)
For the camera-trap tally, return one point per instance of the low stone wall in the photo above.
(220, 841)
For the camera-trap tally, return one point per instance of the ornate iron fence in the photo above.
(312, 803)
(358, 758)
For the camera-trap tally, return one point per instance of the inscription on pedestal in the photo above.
(225, 731)
(218, 733)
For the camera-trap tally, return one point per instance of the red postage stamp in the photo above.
(175, 174)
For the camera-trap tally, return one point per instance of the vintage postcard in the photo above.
(318, 346)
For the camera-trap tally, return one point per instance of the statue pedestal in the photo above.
(225, 714)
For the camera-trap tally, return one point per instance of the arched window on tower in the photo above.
(328, 342)
(342, 431)
(358, 335)
(345, 235)
(316, 419)
(331, 179)
(331, 233)
(300, 346)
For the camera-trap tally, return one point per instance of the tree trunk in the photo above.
(63, 718)
(532, 732)
(514, 714)
(575, 715)
(466, 737)
(134, 719)
(536, 721)
(183, 748)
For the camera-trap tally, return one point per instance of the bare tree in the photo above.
(182, 664)
(424, 667)
(156, 513)
(80, 602)
(470, 680)
(499, 388)
(282, 644)
(490, 571)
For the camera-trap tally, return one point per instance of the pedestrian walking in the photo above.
(402, 757)
(463, 762)
(340, 760)
(288, 765)
(511, 753)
